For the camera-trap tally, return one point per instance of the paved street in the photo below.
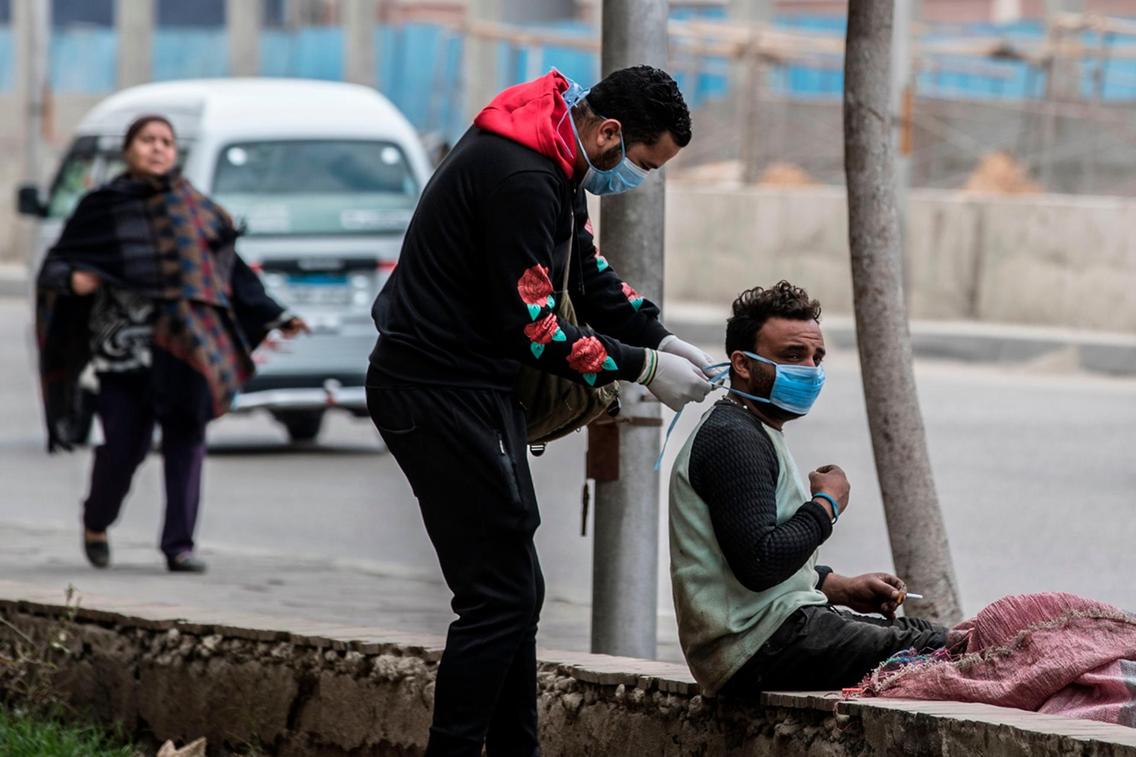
(1034, 467)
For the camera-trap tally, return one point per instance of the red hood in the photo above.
(532, 114)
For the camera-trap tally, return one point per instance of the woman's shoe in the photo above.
(98, 551)
(185, 563)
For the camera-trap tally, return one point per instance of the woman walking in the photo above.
(145, 286)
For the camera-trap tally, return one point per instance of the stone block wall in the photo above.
(321, 690)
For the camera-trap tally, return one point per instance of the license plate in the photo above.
(318, 289)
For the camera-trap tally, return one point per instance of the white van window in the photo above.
(90, 162)
(309, 187)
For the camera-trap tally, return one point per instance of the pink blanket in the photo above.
(1054, 653)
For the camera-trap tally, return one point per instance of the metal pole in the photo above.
(359, 31)
(902, 107)
(134, 27)
(480, 69)
(36, 23)
(1063, 84)
(749, 83)
(626, 547)
(31, 20)
(243, 21)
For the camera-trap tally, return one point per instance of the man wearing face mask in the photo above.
(476, 294)
(755, 611)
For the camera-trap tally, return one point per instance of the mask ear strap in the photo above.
(717, 373)
(719, 378)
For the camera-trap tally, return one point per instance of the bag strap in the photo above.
(571, 244)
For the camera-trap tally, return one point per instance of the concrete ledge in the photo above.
(316, 688)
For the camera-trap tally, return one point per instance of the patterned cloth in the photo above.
(122, 327)
(163, 241)
(1054, 653)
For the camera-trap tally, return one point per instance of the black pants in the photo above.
(463, 451)
(126, 410)
(822, 648)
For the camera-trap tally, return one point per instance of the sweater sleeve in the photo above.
(734, 468)
(521, 217)
(609, 304)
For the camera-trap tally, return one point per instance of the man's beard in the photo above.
(609, 159)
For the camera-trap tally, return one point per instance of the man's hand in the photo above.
(871, 592)
(676, 346)
(830, 480)
(84, 283)
(677, 382)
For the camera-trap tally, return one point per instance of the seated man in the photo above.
(755, 612)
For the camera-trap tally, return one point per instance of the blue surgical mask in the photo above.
(624, 177)
(795, 388)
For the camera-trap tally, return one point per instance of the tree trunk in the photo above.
(915, 523)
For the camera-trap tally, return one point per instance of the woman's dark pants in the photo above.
(463, 451)
(126, 409)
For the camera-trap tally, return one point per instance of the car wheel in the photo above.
(302, 425)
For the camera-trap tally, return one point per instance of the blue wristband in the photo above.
(831, 501)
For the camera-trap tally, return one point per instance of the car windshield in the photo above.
(306, 187)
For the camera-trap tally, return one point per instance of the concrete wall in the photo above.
(1052, 260)
(328, 691)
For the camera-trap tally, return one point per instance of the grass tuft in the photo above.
(38, 736)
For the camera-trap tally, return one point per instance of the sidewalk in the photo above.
(349, 593)
(219, 656)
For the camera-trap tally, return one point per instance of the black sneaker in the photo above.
(185, 563)
(98, 552)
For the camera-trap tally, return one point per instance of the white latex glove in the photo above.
(677, 381)
(676, 346)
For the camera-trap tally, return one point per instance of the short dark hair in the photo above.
(646, 101)
(140, 123)
(754, 307)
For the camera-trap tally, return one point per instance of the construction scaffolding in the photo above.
(1055, 111)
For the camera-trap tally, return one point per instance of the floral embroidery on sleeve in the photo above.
(589, 357)
(632, 296)
(535, 289)
(542, 332)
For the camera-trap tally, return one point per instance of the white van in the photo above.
(324, 176)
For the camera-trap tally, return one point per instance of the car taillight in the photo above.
(386, 266)
(257, 267)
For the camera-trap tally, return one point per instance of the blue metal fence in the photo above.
(7, 58)
(420, 65)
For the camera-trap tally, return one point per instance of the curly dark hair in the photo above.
(646, 101)
(754, 307)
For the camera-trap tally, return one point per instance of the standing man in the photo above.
(474, 297)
